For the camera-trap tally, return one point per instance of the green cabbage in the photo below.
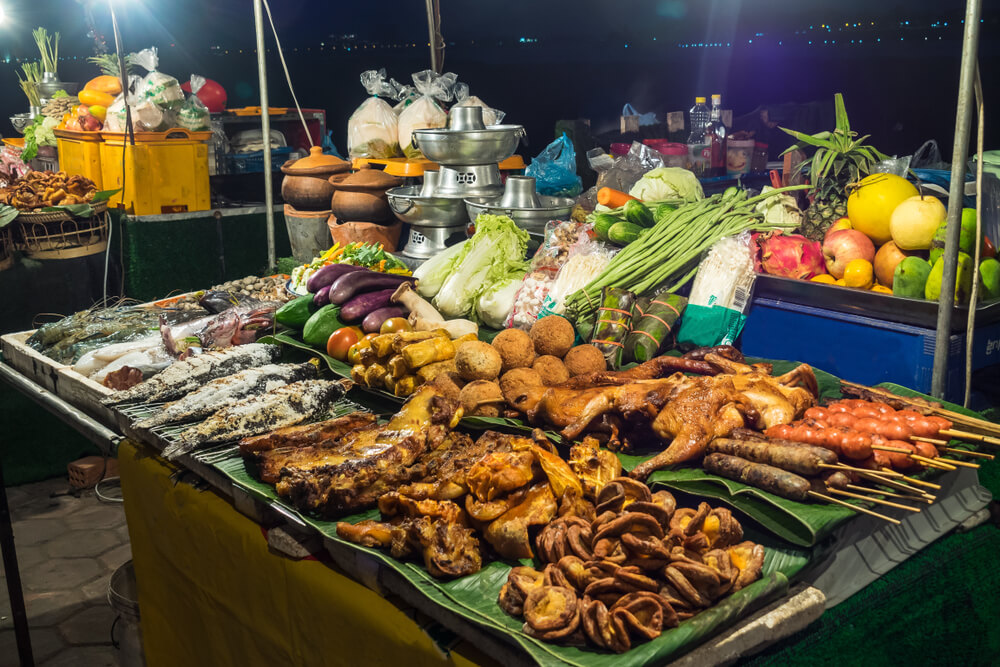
(779, 210)
(496, 250)
(495, 302)
(431, 274)
(667, 183)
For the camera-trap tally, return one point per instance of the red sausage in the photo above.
(868, 425)
(857, 446)
(884, 408)
(838, 407)
(842, 419)
(780, 431)
(898, 460)
(926, 449)
(924, 428)
(942, 423)
(909, 415)
(815, 423)
(864, 411)
(881, 459)
(817, 413)
(895, 430)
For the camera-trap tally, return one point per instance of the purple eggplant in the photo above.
(327, 274)
(361, 305)
(348, 285)
(373, 321)
(322, 297)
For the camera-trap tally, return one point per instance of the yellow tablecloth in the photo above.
(212, 593)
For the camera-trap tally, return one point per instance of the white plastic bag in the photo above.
(149, 117)
(193, 114)
(491, 116)
(425, 112)
(161, 89)
(405, 94)
(372, 128)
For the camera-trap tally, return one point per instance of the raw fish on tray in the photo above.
(285, 406)
(218, 393)
(187, 375)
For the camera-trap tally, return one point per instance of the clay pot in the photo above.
(365, 232)
(361, 196)
(306, 184)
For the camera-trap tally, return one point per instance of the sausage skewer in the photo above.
(798, 458)
(911, 480)
(877, 501)
(965, 435)
(899, 486)
(967, 452)
(888, 494)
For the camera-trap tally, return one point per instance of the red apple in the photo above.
(838, 224)
(842, 246)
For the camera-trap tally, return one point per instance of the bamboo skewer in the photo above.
(878, 501)
(933, 441)
(837, 501)
(967, 452)
(932, 463)
(965, 435)
(953, 462)
(885, 448)
(918, 482)
(889, 494)
(899, 486)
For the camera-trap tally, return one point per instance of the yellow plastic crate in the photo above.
(80, 154)
(165, 172)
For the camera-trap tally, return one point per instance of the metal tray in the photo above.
(915, 312)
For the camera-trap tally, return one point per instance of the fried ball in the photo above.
(481, 398)
(477, 360)
(553, 335)
(515, 382)
(448, 384)
(551, 370)
(515, 348)
(584, 359)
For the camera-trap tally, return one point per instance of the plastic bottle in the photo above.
(715, 136)
(699, 116)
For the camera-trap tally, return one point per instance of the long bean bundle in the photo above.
(667, 254)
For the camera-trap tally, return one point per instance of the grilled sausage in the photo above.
(803, 459)
(767, 478)
(837, 479)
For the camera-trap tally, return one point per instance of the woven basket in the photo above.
(58, 216)
(64, 238)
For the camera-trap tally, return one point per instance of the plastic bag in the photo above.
(372, 128)
(114, 120)
(560, 239)
(425, 112)
(491, 116)
(193, 114)
(554, 170)
(405, 94)
(149, 117)
(720, 294)
(644, 118)
(586, 259)
(160, 89)
(626, 171)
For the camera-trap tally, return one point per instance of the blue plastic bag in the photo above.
(644, 118)
(554, 170)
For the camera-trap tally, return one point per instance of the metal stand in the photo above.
(265, 126)
(14, 580)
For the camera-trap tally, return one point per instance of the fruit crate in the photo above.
(253, 163)
(862, 348)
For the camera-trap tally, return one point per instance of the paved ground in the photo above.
(67, 548)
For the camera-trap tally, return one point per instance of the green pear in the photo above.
(963, 281)
(966, 238)
(910, 277)
(989, 278)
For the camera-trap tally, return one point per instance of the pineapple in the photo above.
(108, 63)
(840, 160)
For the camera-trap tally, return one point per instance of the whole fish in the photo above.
(216, 394)
(285, 406)
(185, 376)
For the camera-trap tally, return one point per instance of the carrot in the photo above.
(613, 198)
(381, 265)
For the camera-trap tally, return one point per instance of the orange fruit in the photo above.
(840, 281)
(824, 278)
(859, 273)
(881, 289)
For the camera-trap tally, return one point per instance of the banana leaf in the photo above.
(474, 597)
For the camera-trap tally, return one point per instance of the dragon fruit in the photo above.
(789, 256)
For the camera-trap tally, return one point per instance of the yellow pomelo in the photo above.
(915, 221)
(871, 204)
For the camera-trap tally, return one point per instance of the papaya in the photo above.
(91, 97)
(296, 312)
(320, 325)
(105, 84)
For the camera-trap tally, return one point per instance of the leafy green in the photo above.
(667, 183)
(59, 94)
(39, 133)
(431, 274)
(7, 215)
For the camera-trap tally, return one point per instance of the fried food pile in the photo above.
(40, 189)
(636, 568)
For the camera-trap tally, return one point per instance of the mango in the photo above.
(989, 279)
(963, 281)
(910, 277)
(966, 238)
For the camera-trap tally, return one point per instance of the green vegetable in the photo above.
(296, 312)
(667, 254)
(652, 326)
(624, 233)
(667, 183)
(495, 303)
(320, 325)
(496, 250)
(637, 213)
(602, 223)
(431, 274)
(59, 94)
(663, 210)
(40, 133)
(613, 322)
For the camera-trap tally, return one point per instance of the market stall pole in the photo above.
(960, 153)
(265, 126)
(14, 590)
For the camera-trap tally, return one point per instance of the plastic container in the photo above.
(165, 172)
(675, 154)
(699, 116)
(699, 158)
(620, 148)
(253, 163)
(80, 154)
(308, 234)
(126, 632)
(739, 156)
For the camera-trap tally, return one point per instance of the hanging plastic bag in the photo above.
(491, 116)
(554, 170)
(161, 89)
(149, 117)
(372, 128)
(405, 94)
(193, 114)
(720, 294)
(425, 112)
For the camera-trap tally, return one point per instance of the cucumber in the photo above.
(638, 214)
(602, 223)
(323, 322)
(623, 233)
(296, 312)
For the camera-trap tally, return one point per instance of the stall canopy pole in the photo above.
(265, 127)
(959, 155)
(434, 32)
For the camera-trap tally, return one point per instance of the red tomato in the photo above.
(340, 342)
(989, 250)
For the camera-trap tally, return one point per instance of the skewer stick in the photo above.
(936, 443)
(889, 494)
(899, 486)
(953, 462)
(932, 463)
(967, 452)
(836, 501)
(883, 448)
(844, 466)
(878, 501)
(965, 435)
(912, 480)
